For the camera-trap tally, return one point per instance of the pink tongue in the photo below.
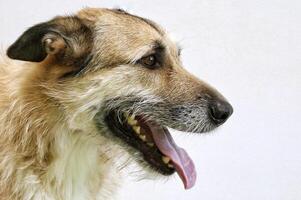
(179, 157)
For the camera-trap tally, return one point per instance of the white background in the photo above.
(251, 52)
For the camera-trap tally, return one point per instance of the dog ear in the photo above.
(35, 43)
(61, 37)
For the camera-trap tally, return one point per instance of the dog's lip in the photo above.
(156, 145)
(126, 132)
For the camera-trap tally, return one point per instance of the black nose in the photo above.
(220, 111)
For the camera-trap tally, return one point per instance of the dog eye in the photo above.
(149, 61)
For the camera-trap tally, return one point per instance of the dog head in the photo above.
(123, 75)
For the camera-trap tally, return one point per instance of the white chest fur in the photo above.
(83, 168)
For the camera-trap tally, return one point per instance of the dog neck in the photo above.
(42, 157)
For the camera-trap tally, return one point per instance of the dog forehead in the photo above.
(115, 25)
(123, 35)
(107, 19)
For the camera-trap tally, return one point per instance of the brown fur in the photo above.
(40, 101)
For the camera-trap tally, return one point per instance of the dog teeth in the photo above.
(165, 159)
(132, 116)
(142, 137)
(170, 166)
(131, 120)
(137, 129)
(150, 144)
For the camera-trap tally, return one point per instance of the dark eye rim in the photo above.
(155, 65)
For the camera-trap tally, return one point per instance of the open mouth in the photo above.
(155, 143)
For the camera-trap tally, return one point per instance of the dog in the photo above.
(84, 95)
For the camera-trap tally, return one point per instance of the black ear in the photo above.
(30, 46)
(67, 39)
